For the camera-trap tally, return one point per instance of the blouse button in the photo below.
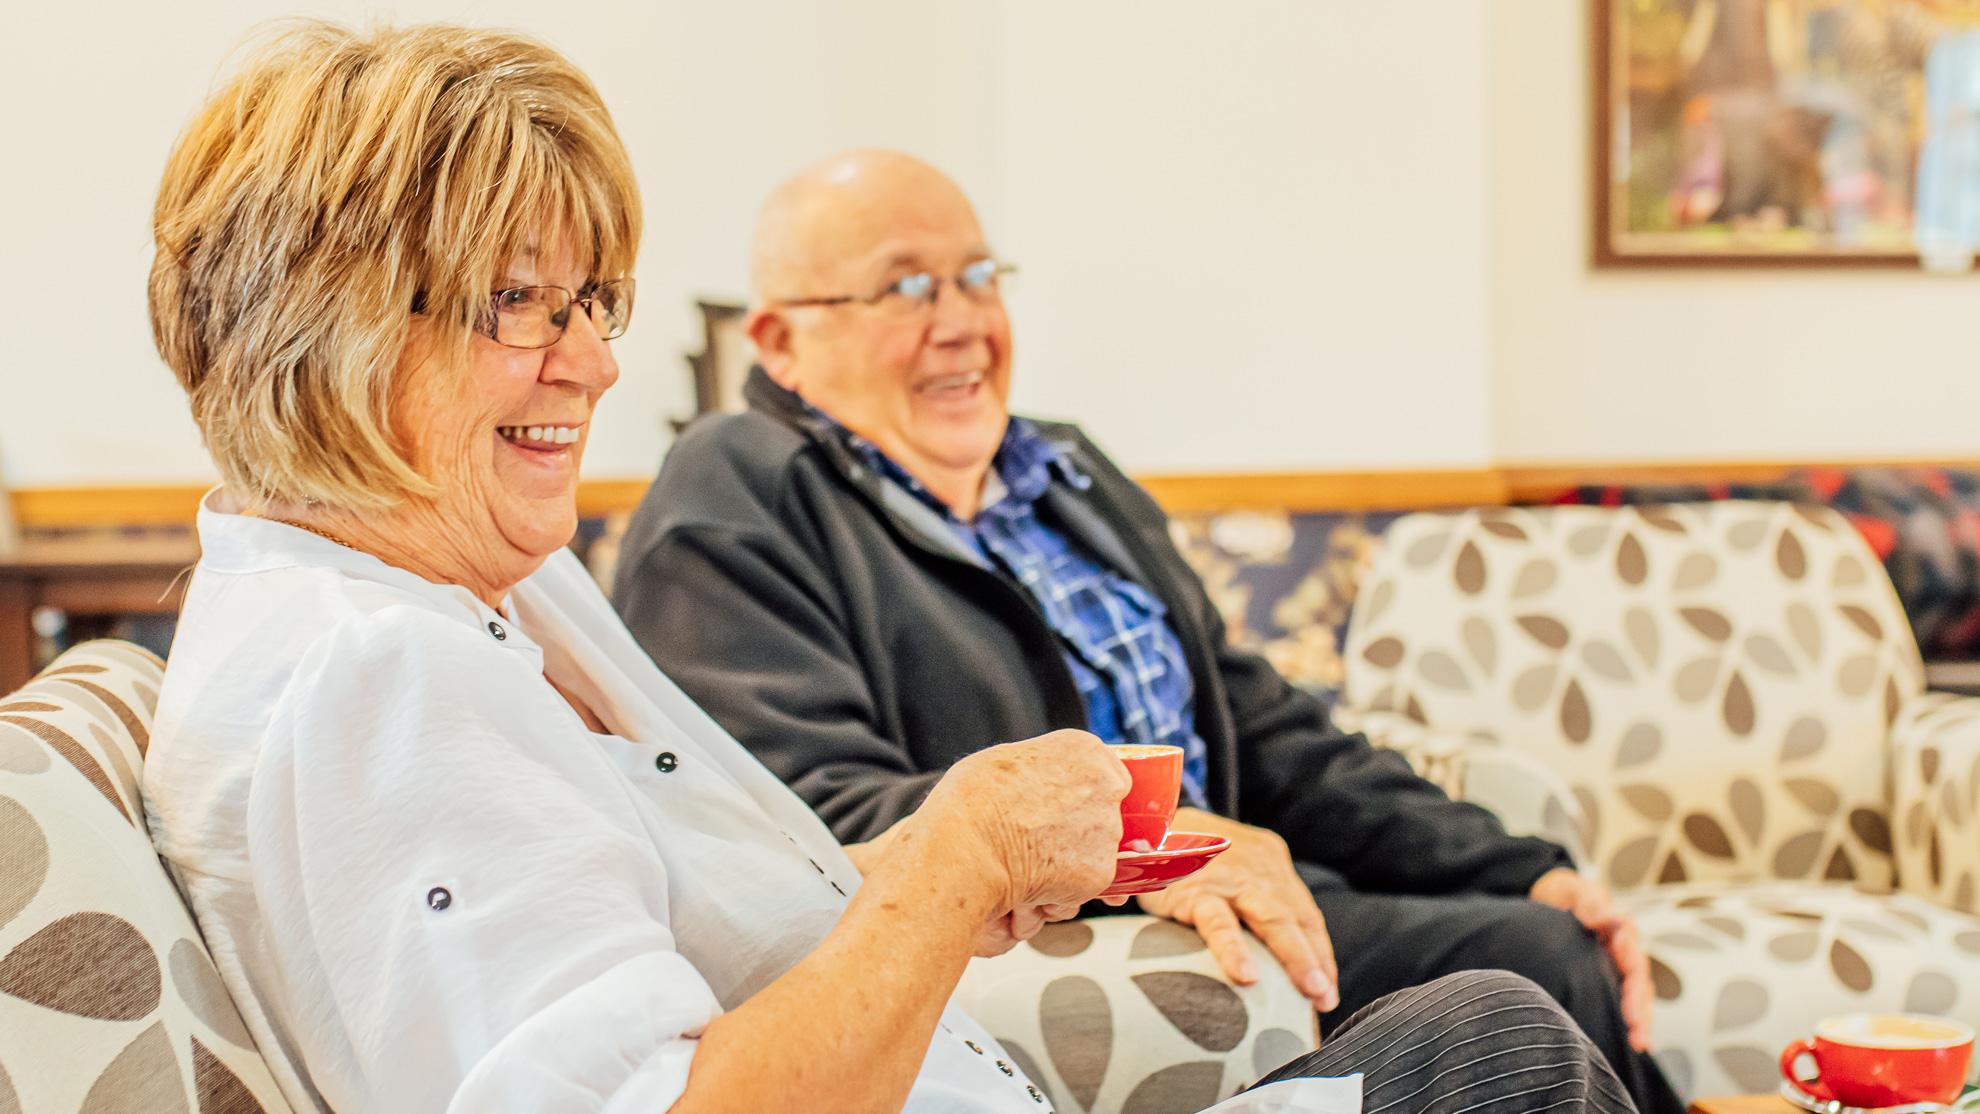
(496, 629)
(1005, 1068)
(666, 762)
(973, 1047)
(438, 898)
(1035, 1096)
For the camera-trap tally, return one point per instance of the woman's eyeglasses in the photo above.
(536, 316)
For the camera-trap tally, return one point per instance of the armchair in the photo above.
(1719, 709)
(109, 999)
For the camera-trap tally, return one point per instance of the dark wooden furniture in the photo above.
(723, 362)
(85, 575)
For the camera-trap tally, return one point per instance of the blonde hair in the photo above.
(336, 184)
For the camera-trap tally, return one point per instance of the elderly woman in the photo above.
(454, 842)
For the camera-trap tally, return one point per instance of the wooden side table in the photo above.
(1745, 1104)
(88, 574)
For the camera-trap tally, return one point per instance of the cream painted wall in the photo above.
(716, 101)
(1250, 232)
(1284, 234)
(1236, 225)
(1715, 365)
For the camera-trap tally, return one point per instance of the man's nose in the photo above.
(581, 357)
(958, 317)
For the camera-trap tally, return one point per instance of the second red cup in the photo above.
(1150, 805)
(1870, 1060)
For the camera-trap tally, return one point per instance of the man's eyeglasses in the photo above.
(536, 316)
(911, 293)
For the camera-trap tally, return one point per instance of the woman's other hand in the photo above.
(1015, 927)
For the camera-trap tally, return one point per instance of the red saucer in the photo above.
(1181, 855)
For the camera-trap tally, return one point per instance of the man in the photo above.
(877, 570)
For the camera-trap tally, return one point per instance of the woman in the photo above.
(454, 842)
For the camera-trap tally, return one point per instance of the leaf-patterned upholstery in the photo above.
(1937, 807)
(1729, 698)
(109, 1001)
(1132, 1015)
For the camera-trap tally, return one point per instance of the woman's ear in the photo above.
(773, 337)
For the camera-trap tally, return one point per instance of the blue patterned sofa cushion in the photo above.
(1285, 582)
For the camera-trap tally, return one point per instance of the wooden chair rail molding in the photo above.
(1372, 490)
(166, 505)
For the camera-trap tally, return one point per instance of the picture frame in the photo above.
(1772, 133)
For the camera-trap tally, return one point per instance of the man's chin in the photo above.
(971, 438)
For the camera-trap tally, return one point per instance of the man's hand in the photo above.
(1589, 901)
(1253, 885)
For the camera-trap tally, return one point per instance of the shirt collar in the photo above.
(1023, 469)
(236, 543)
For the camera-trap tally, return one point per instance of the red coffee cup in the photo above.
(1150, 805)
(1883, 1059)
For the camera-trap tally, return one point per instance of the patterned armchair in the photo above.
(108, 998)
(1131, 1014)
(1719, 708)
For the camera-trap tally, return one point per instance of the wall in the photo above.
(1283, 234)
(1724, 365)
(1245, 231)
(715, 100)
(1232, 226)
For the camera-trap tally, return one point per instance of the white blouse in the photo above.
(430, 887)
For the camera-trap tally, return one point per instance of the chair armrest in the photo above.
(1438, 757)
(1935, 763)
(1527, 796)
(1111, 1013)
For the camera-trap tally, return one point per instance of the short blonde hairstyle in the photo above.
(338, 182)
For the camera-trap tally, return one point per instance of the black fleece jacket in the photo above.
(836, 629)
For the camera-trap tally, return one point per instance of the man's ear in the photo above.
(775, 344)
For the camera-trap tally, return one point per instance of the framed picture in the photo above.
(1783, 132)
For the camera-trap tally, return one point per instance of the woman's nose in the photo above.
(581, 357)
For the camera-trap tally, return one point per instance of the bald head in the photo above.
(924, 378)
(837, 220)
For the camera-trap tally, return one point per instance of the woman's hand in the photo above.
(1040, 818)
(1010, 838)
(1015, 927)
(1002, 932)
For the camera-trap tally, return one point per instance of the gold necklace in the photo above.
(324, 534)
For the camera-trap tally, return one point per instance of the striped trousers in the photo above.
(1472, 1041)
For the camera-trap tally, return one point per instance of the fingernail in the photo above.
(1247, 972)
(1316, 985)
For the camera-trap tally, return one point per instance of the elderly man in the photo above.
(877, 571)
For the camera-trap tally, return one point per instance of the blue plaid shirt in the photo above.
(1128, 664)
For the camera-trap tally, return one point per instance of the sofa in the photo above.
(1719, 708)
(110, 1003)
(1286, 578)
